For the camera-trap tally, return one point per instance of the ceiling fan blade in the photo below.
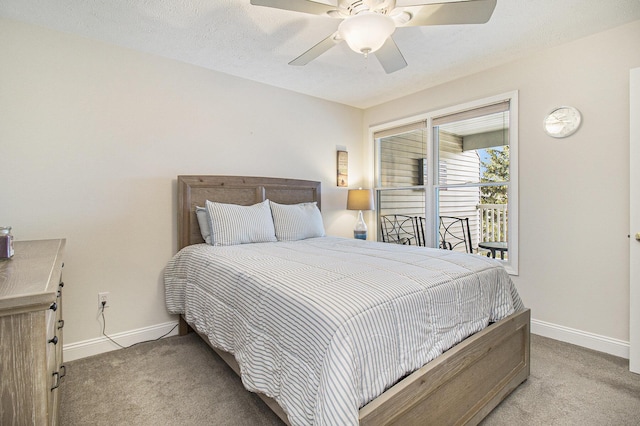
(463, 12)
(390, 57)
(304, 6)
(317, 50)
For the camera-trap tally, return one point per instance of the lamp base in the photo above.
(360, 231)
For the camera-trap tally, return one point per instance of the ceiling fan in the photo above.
(367, 25)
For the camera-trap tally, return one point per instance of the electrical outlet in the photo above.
(103, 298)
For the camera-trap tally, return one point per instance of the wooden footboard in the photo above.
(462, 385)
(459, 387)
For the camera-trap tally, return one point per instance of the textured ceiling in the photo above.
(256, 43)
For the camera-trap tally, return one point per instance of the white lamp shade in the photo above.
(360, 199)
(366, 32)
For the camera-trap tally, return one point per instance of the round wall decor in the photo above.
(562, 122)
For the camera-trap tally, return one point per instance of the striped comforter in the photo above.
(325, 325)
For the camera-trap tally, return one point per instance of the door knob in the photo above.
(637, 236)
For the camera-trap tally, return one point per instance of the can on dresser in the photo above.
(6, 242)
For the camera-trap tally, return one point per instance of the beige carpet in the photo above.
(180, 381)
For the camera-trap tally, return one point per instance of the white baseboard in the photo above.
(596, 342)
(100, 345)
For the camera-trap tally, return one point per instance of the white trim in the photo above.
(634, 221)
(77, 350)
(100, 345)
(596, 342)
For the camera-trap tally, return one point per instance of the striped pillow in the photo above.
(233, 224)
(294, 222)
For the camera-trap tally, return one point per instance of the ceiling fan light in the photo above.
(366, 32)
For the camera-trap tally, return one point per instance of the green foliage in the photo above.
(495, 169)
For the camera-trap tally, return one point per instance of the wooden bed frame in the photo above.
(461, 386)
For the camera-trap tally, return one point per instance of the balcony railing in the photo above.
(493, 220)
(488, 224)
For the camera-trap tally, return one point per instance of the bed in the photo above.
(459, 386)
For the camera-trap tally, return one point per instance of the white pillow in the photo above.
(234, 224)
(294, 222)
(203, 221)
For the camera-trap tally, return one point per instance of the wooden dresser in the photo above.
(31, 333)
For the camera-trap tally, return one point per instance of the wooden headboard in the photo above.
(244, 190)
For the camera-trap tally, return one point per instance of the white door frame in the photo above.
(634, 220)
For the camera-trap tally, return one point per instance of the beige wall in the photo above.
(93, 136)
(574, 206)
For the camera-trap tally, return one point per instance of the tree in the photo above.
(495, 169)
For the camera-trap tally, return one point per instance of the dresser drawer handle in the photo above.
(61, 284)
(56, 381)
(60, 324)
(54, 340)
(54, 306)
(63, 368)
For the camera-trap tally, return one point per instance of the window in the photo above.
(457, 163)
(402, 164)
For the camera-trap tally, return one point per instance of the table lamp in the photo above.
(360, 199)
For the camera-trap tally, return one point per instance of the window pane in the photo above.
(468, 150)
(405, 202)
(474, 150)
(402, 159)
(461, 203)
(401, 216)
(487, 221)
